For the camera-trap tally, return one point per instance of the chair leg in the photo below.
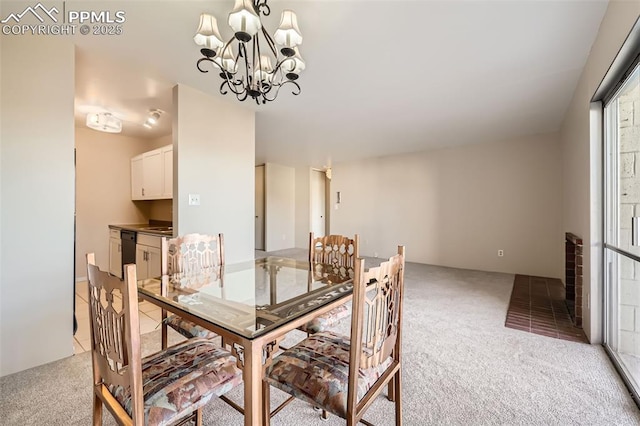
(97, 410)
(391, 394)
(163, 326)
(351, 421)
(199, 417)
(325, 415)
(266, 403)
(398, 396)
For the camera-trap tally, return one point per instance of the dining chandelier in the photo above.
(246, 61)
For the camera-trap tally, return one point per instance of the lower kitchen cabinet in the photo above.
(148, 257)
(115, 253)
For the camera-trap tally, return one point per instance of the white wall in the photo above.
(280, 206)
(457, 207)
(303, 206)
(580, 158)
(214, 156)
(103, 191)
(37, 137)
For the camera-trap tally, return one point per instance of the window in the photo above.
(622, 226)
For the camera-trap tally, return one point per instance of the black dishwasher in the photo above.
(128, 248)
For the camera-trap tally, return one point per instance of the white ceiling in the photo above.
(382, 77)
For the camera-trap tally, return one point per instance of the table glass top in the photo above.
(252, 298)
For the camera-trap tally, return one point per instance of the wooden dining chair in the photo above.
(343, 374)
(191, 261)
(166, 388)
(331, 256)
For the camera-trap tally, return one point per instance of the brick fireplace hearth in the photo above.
(573, 277)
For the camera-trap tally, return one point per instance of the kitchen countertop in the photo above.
(156, 229)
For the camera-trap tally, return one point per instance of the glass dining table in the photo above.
(252, 306)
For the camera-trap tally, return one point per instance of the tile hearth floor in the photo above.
(538, 306)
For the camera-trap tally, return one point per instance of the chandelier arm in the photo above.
(243, 49)
(279, 64)
(270, 42)
(232, 86)
(256, 48)
(240, 97)
(224, 50)
(222, 91)
(261, 6)
(261, 85)
(265, 88)
(294, 92)
(203, 59)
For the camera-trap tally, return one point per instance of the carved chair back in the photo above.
(193, 260)
(376, 320)
(115, 337)
(333, 255)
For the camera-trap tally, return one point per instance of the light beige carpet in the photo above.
(461, 367)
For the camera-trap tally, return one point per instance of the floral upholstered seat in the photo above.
(167, 388)
(328, 320)
(188, 329)
(184, 377)
(331, 259)
(317, 371)
(343, 375)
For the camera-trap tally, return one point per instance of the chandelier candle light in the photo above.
(250, 72)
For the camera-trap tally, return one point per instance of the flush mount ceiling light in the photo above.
(250, 72)
(104, 122)
(152, 119)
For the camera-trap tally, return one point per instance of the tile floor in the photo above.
(149, 318)
(538, 306)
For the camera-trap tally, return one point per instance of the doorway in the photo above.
(259, 208)
(622, 227)
(318, 206)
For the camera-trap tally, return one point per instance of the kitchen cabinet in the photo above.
(167, 160)
(152, 174)
(137, 187)
(148, 257)
(115, 253)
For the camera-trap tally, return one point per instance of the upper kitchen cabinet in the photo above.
(152, 174)
(167, 160)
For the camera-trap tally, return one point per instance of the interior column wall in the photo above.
(280, 206)
(219, 166)
(37, 176)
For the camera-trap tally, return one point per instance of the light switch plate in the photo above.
(194, 199)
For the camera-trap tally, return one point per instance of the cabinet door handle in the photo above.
(143, 192)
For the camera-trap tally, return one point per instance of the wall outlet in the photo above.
(375, 254)
(500, 253)
(194, 199)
